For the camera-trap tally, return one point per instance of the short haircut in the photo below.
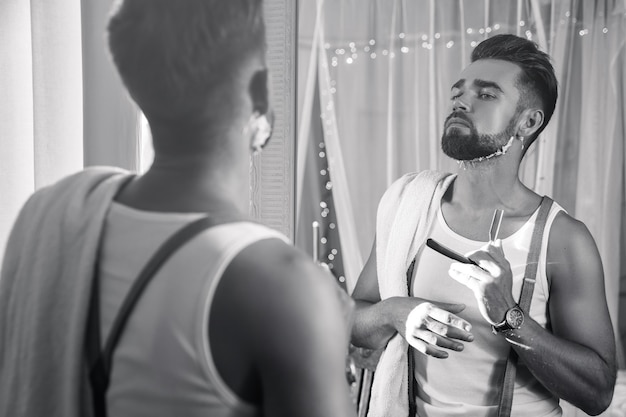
(537, 80)
(180, 58)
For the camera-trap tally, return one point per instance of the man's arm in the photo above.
(287, 332)
(426, 326)
(576, 359)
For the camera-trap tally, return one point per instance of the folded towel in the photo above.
(404, 216)
(44, 294)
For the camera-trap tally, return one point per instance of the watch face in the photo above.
(515, 318)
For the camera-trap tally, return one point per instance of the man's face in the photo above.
(483, 110)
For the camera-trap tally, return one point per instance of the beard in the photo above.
(462, 146)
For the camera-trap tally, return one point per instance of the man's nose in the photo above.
(459, 104)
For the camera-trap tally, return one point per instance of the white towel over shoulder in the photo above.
(44, 293)
(404, 216)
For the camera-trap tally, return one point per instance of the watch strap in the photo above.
(528, 286)
(499, 327)
(504, 324)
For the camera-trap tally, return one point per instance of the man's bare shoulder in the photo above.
(273, 262)
(271, 280)
(569, 234)
(572, 250)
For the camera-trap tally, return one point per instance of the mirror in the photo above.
(374, 81)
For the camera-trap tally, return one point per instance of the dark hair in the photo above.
(179, 58)
(537, 80)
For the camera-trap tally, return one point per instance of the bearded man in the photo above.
(525, 321)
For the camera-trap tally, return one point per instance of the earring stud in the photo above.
(262, 132)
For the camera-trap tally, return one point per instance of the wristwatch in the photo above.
(513, 319)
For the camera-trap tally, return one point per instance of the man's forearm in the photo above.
(373, 324)
(569, 370)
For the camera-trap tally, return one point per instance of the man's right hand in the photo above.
(431, 327)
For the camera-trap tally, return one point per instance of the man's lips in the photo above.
(457, 121)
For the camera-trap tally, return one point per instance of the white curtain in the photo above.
(41, 105)
(62, 106)
(390, 67)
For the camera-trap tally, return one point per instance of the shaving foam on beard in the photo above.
(499, 152)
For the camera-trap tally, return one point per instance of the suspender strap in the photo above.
(528, 286)
(412, 384)
(100, 361)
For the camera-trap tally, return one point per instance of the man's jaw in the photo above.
(502, 151)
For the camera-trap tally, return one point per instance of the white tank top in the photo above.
(467, 382)
(163, 364)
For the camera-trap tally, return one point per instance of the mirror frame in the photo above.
(272, 172)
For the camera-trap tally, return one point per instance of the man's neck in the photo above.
(488, 185)
(198, 183)
(469, 203)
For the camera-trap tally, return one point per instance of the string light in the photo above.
(370, 49)
(330, 239)
(350, 52)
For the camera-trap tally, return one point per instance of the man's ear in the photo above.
(531, 121)
(259, 91)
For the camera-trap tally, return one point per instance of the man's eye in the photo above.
(486, 96)
(455, 96)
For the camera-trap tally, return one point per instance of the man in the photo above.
(565, 342)
(237, 322)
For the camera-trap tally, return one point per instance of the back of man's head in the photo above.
(182, 60)
(537, 82)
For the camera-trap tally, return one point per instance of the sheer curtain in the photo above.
(384, 70)
(41, 106)
(62, 105)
